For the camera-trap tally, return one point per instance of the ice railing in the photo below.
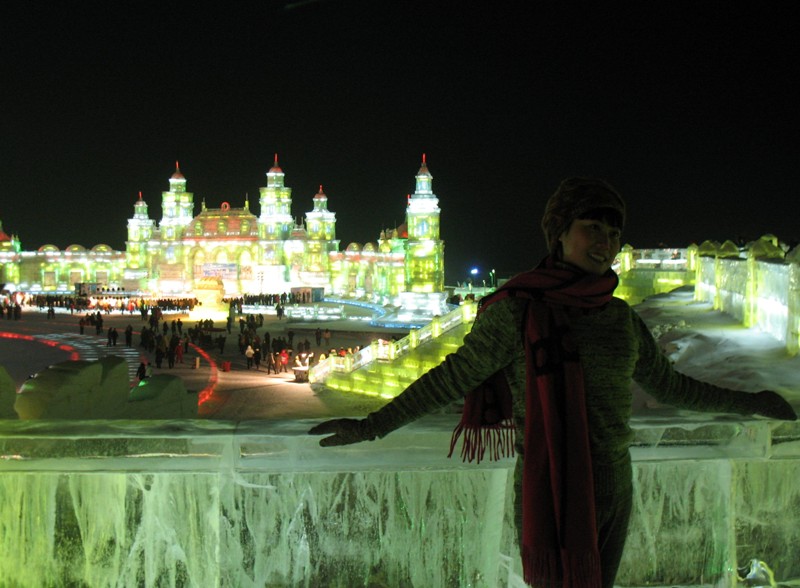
(385, 350)
(203, 503)
(668, 258)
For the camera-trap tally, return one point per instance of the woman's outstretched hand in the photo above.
(773, 405)
(343, 432)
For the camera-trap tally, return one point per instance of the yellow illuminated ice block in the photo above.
(388, 378)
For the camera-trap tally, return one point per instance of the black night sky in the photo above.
(689, 108)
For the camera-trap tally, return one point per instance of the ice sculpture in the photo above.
(100, 390)
(757, 574)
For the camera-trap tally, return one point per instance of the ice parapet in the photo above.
(195, 503)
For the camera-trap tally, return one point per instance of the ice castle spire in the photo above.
(425, 250)
(275, 219)
(177, 206)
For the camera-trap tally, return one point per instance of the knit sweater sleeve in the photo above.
(493, 342)
(654, 372)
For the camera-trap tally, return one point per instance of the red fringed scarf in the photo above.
(559, 534)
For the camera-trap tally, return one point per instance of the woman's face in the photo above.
(590, 245)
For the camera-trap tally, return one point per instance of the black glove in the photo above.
(771, 405)
(344, 432)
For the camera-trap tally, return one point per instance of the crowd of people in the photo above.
(278, 354)
(104, 302)
(281, 299)
(11, 311)
(165, 342)
(109, 303)
(169, 340)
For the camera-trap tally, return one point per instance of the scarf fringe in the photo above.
(498, 439)
(545, 569)
(582, 570)
(541, 568)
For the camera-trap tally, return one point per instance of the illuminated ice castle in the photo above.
(247, 253)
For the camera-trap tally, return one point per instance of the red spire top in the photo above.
(140, 194)
(177, 175)
(423, 169)
(275, 167)
(3, 236)
(320, 195)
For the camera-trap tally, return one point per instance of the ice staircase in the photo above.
(387, 378)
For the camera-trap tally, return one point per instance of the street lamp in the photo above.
(473, 272)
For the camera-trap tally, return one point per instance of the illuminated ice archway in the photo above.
(245, 257)
(246, 273)
(197, 257)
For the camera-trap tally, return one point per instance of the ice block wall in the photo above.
(756, 293)
(197, 503)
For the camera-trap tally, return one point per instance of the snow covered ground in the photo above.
(711, 346)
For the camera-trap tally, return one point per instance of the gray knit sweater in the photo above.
(615, 347)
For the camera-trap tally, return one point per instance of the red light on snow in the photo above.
(73, 354)
(205, 394)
